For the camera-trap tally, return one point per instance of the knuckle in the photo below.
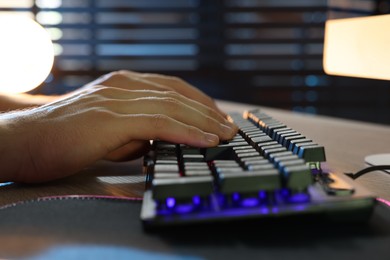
(168, 78)
(122, 72)
(148, 75)
(116, 76)
(100, 90)
(171, 104)
(210, 100)
(175, 79)
(160, 121)
(172, 94)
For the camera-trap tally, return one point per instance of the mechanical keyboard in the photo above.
(267, 170)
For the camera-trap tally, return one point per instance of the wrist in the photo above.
(22, 101)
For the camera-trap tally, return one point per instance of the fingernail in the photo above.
(211, 138)
(234, 126)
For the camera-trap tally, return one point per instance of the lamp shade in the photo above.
(358, 47)
(26, 54)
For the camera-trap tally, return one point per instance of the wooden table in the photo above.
(111, 229)
(346, 143)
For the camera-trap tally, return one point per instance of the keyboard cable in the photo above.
(356, 175)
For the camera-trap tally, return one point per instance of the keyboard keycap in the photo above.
(182, 188)
(312, 153)
(221, 151)
(297, 177)
(164, 168)
(249, 181)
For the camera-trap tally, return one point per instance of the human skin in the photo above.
(113, 118)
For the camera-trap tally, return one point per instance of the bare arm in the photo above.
(21, 101)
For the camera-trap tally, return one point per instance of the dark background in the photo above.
(264, 52)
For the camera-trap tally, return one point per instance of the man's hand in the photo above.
(114, 118)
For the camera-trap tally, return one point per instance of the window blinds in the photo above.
(265, 52)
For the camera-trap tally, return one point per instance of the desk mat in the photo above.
(84, 227)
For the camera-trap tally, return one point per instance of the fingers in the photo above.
(170, 104)
(156, 103)
(162, 127)
(178, 111)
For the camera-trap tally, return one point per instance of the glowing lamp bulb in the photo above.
(26, 54)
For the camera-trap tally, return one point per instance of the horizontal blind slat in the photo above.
(256, 46)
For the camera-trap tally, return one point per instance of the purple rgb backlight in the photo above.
(267, 203)
(285, 192)
(174, 206)
(299, 198)
(236, 197)
(249, 202)
(170, 202)
(262, 195)
(184, 208)
(196, 200)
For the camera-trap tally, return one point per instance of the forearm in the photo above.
(10, 149)
(21, 101)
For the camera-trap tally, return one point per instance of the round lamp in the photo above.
(26, 54)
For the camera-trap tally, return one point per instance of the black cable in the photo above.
(356, 175)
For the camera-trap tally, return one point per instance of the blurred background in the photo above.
(263, 52)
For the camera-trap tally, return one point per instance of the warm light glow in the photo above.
(358, 47)
(26, 54)
(48, 3)
(49, 17)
